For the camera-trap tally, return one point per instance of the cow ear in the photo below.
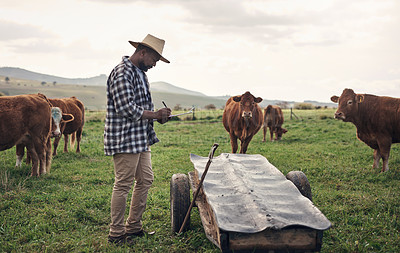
(237, 98)
(334, 99)
(67, 117)
(258, 100)
(359, 98)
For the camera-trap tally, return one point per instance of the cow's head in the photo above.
(56, 118)
(248, 103)
(279, 132)
(348, 104)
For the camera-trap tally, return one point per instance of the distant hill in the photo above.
(321, 104)
(12, 72)
(94, 97)
(169, 88)
(92, 91)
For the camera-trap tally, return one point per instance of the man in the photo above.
(129, 133)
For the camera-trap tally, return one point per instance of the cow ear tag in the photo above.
(360, 98)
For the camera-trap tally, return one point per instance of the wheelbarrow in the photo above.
(246, 204)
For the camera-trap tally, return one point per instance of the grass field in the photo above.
(68, 210)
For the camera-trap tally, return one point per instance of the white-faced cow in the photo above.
(74, 128)
(242, 118)
(273, 119)
(376, 118)
(26, 120)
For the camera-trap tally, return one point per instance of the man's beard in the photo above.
(143, 67)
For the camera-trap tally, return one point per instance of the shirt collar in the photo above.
(130, 64)
(127, 61)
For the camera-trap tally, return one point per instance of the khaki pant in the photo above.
(127, 169)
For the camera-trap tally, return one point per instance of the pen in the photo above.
(164, 104)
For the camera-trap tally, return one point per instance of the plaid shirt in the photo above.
(127, 98)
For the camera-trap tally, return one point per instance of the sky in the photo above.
(291, 50)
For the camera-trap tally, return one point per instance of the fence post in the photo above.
(292, 113)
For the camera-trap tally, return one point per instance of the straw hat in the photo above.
(154, 43)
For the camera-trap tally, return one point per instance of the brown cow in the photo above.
(58, 118)
(273, 119)
(26, 120)
(377, 120)
(74, 128)
(242, 119)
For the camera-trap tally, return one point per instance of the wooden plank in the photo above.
(206, 214)
(285, 239)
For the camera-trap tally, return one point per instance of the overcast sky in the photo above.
(276, 49)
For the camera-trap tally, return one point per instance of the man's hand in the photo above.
(163, 115)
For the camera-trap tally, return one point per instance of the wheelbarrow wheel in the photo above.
(180, 201)
(299, 179)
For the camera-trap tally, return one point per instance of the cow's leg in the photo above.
(35, 159)
(271, 134)
(233, 142)
(385, 161)
(55, 144)
(48, 155)
(66, 143)
(244, 144)
(384, 149)
(40, 148)
(28, 157)
(265, 132)
(42, 161)
(377, 158)
(243, 149)
(78, 139)
(385, 158)
(20, 150)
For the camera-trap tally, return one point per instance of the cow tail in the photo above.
(73, 140)
(45, 98)
(268, 109)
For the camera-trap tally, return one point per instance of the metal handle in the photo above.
(212, 151)
(210, 156)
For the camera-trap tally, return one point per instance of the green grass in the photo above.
(68, 210)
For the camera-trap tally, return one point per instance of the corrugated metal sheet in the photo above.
(248, 195)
